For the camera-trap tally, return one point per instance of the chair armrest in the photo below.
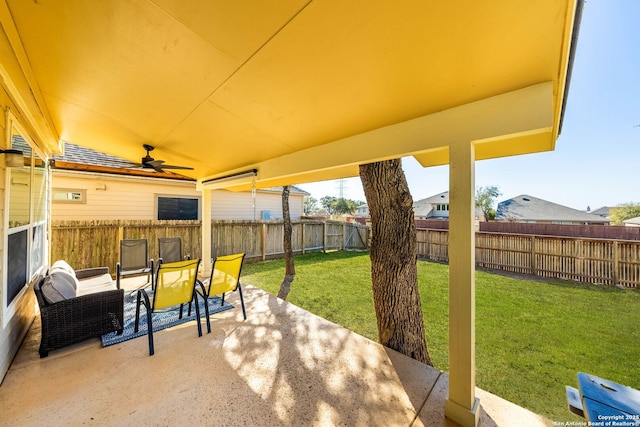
(120, 273)
(90, 272)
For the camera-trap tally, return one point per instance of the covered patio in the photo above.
(283, 366)
(264, 94)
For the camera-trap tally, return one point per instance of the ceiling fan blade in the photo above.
(175, 167)
(149, 162)
(153, 164)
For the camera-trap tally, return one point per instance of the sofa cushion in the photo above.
(94, 284)
(58, 286)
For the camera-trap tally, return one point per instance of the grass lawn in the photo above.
(532, 336)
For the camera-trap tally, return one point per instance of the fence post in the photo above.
(302, 235)
(117, 243)
(344, 236)
(264, 241)
(324, 236)
(616, 262)
(533, 256)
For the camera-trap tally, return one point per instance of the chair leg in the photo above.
(244, 312)
(150, 332)
(143, 298)
(206, 312)
(203, 293)
(195, 296)
(137, 322)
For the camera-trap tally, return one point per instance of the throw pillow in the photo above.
(64, 266)
(58, 286)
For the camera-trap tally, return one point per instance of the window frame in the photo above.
(177, 196)
(81, 191)
(36, 227)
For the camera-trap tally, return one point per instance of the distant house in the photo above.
(632, 222)
(88, 185)
(434, 207)
(602, 212)
(525, 208)
(362, 211)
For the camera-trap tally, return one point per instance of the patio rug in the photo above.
(161, 320)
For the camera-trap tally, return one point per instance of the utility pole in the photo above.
(341, 187)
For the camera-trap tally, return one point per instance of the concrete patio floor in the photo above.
(283, 366)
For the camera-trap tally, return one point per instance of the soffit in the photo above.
(221, 86)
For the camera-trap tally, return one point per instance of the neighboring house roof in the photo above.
(632, 221)
(76, 157)
(529, 208)
(437, 199)
(603, 211)
(292, 189)
(86, 156)
(84, 159)
(423, 207)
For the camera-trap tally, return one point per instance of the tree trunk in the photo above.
(290, 270)
(394, 272)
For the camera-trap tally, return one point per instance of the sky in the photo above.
(596, 161)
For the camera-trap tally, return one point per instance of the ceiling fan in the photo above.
(149, 162)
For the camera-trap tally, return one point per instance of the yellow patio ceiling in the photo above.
(300, 90)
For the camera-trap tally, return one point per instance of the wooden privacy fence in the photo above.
(262, 240)
(598, 261)
(87, 244)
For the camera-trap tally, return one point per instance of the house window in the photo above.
(26, 219)
(180, 208)
(69, 195)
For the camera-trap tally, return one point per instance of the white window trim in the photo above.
(81, 200)
(8, 311)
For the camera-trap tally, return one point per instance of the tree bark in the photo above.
(290, 270)
(394, 272)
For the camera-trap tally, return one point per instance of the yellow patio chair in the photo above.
(174, 286)
(225, 277)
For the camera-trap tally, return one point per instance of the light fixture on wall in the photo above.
(101, 187)
(20, 180)
(13, 158)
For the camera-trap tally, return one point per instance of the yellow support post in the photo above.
(462, 406)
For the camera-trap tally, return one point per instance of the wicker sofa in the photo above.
(77, 305)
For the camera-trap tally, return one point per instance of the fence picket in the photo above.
(87, 244)
(601, 261)
(598, 261)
